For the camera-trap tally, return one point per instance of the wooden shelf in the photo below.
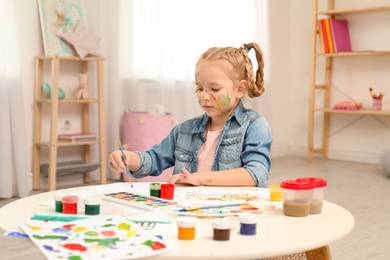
(63, 144)
(53, 106)
(358, 112)
(325, 86)
(51, 57)
(72, 101)
(355, 53)
(356, 10)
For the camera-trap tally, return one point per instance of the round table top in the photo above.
(276, 233)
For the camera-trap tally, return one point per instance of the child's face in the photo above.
(217, 94)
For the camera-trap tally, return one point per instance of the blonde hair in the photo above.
(241, 65)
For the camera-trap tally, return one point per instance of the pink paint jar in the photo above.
(167, 191)
(69, 204)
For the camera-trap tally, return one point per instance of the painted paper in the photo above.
(105, 237)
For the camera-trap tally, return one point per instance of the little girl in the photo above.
(228, 145)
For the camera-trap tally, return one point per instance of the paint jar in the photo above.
(297, 197)
(58, 201)
(221, 229)
(276, 193)
(377, 104)
(167, 191)
(69, 204)
(186, 228)
(318, 193)
(155, 189)
(92, 205)
(248, 224)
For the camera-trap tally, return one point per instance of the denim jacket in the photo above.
(244, 142)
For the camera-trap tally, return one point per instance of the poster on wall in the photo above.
(60, 16)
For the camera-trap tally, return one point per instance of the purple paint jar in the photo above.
(248, 224)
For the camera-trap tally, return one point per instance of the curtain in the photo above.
(160, 42)
(13, 168)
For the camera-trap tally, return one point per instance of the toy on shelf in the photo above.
(83, 90)
(47, 90)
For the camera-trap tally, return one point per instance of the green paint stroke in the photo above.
(74, 257)
(49, 237)
(124, 226)
(91, 233)
(109, 225)
(107, 242)
(148, 242)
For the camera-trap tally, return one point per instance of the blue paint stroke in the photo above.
(50, 248)
(61, 230)
(17, 234)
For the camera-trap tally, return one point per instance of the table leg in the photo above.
(321, 253)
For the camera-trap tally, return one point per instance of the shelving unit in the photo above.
(326, 87)
(53, 144)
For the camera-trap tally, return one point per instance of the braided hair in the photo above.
(238, 64)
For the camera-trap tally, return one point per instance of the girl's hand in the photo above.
(185, 178)
(115, 161)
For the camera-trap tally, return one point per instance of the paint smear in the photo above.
(91, 233)
(50, 248)
(74, 257)
(16, 234)
(124, 226)
(49, 237)
(80, 229)
(35, 228)
(61, 230)
(68, 226)
(157, 246)
(108, 233)
(75, 247)
(108, 242)
(131, 233)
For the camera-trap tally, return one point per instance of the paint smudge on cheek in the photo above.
(75, 247)
(223, 102)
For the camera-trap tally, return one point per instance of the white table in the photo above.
(277, 234)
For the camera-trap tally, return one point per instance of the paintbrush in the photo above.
(214, 207)
(124, 160)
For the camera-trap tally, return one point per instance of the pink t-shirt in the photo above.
(207, 151)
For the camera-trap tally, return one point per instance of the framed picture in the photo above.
(59, 16)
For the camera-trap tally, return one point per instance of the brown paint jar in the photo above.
(221, 229)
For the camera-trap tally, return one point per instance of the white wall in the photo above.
(289, 79)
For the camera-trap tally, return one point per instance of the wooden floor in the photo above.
(362, 189)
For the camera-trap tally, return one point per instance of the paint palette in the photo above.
(137, 200)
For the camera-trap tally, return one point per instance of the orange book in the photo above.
(329, 36)
(324, 36)
(319, 28)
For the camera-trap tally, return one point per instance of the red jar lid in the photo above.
(167, 186)
(318, 182)
(295, 185)
(70, 199)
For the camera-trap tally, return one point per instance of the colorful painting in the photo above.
(137, 200)
(220, 211)
(59, 16)
(106, 237)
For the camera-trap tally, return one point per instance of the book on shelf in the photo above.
(324, 36)
(329, 36)
(347, 105)
(77, 137)
(340, 35)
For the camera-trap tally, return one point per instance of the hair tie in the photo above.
(246, 47)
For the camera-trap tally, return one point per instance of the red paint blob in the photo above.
(68, 226)
(108, 233)
(75, 247)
